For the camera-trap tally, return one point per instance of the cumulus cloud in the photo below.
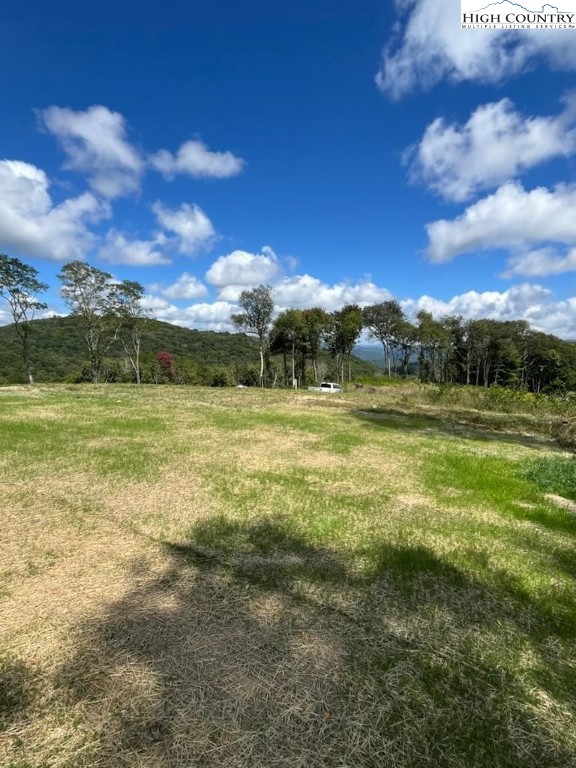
(495, 145)
(510, 218)
(196, 159)
(299, 292)
(95, 143)
(497, 305)
(530, 302)
(31, 225)
(117, 249)
(193, 230)
(7, 319)
(307, 291)
(186, 287)
(526, 301)
(240, 269)
(213, 316)
(429, 46)
(541, 262)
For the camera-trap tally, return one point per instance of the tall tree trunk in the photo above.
(137, 366)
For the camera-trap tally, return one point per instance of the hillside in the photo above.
(371, 352)
(59, 351)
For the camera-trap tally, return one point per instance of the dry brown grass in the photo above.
(123, 652)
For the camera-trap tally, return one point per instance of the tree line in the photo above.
(450, 350)
(296, 346)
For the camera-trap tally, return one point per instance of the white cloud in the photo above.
(306, 291)
(193, 229)
(495, 145)
(213, 316)
(194, 158)
(31, 225)
(161, 309)
(231, 292)
(140, 253)
(541, 262)
(497, 305)
(216, 314)
(186, 287)
(529, 302)
(430, 46)
(240, 269)
(95, 143)
(510, 218)
(5, 316)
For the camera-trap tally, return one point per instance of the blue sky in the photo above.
(339, 151)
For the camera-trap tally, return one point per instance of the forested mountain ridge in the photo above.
(58, 351)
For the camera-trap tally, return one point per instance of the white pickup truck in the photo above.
(326, 386)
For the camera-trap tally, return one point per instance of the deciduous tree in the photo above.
(256, 319)
(133, 316)
(92, 297)
(288, 336)
(383, 322)
(318, 323)
(344, 335)
(19, 286)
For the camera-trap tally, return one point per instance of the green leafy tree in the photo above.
(432, 338)
(19, 286)
(134, 317)
(318, 324)
(256, 318)
(93, 297)
(406, 341)
(383, 322)
(288, 336)
(344, 335)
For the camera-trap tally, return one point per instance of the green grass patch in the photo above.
(554, 474)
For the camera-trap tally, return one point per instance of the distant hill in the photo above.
(59, 352)
(371, 352)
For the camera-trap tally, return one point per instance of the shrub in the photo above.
(221, 377)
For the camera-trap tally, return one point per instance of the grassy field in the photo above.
(244, 578)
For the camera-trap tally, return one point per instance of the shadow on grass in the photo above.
(441, 426)
(15, 690)
(255, 647)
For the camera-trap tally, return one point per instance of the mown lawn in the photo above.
(194, 577)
